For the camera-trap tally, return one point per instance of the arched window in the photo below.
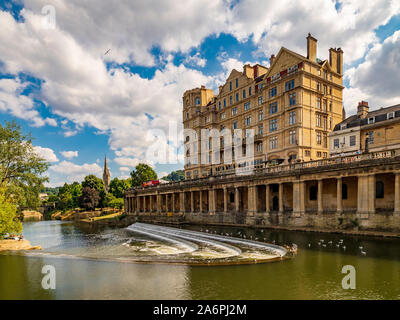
(313, 193)
(380, 190)
(344, 192)
(188, 153)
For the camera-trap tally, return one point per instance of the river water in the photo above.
(94, 263)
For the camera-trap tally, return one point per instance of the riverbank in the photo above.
(17, 245)
(182, 220)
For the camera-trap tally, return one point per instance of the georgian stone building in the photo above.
(290, 106)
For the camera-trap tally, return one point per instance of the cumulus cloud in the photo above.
(124, 169)
(74, 172)
(46, 153)
(377, 79)
(69, 154)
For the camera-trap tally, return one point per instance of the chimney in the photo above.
(333, 59)
(271, 60)
(339, 61)
(311, 48)
(362, 109)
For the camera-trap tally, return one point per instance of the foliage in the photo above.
(68, 196)
(91, 181)
(9, 223)
(117, 203)
(175, 176)
(142, 173)
(118, 187)
(89, 199)
(21, 169)
(51, 191)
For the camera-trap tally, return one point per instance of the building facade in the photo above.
(366, 131)
(290, 108)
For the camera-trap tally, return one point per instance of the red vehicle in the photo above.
(150, 183)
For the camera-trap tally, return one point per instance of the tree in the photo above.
(91, 181)
(175, 176)
(117, 203)
(9, 222)
(142, 173)
(118, 187)
(21, 168)
(89, 199)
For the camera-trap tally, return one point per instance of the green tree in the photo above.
(21, 169)
(175, 176)
(142, 173)
(119, 186)
(89, 199)
(9, 222)
(91, 181)
(117, 203)
(109, 197)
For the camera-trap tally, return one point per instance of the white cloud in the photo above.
(196, 60)
(377, 79)
(69, 154)
(46, 153)
(124, 169)
(162, 175)
(131, 162)
(71, 172)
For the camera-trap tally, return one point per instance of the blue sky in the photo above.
(80, 104)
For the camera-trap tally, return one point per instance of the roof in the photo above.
(379, 115)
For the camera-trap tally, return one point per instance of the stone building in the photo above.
(367, 131)
(290, 106)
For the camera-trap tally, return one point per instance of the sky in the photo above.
(100, 78)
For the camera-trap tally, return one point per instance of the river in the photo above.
(94, 263)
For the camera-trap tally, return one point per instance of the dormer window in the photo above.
(371, 120)
(390, 115)
(343, 126)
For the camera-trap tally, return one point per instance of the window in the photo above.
(319, 103)
(260, 100)
(371, 120)
(319, 120)
(319, 154)
(319, 138)
(325, 107)
(325, 123)
(292, 117)
(223, 116)
(272, 92)
(234, 125)
(289, 85)
(247, 106)
(336, 143)
(197, 101)
(345, 193)
(224, 103)
(194, 122)
(187, 115)
(273, 143)
(292, 137)
(308, 153)
(319, 86)
(292, 99)
(237, 97)
(234, 111)
(273, 108)
(247, 120)
(219, 105)
(352, 141)
(260, 147)
(207, 119)
(260, 130)
(380, 190)
(260, 115)
(230, 100)
(249, 91)
(370, 137)
(273, 125)
(325, 90)
(343, 126)
(230, 86)
(325, 155)
(330, 106)
(325, 138)
(237, 83)
(244, 94)
(313, 193)
(390, 115)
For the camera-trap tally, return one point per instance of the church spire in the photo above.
(106, 175)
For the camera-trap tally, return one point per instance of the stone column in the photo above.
(182, 201)
(320, 203)
(339, 195)
(151, 203)
(192, 201)
(267, 196)
(237, 201)
(298, 198)
(211, 201)
(371, 193)
(397, 193)
(126, 204)
(281, 209)
(144, 204)
(225, 200)
(362, 196)
(201, 200)
(138, 204)
(173, 202)
(158, 203)
(252, 207)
